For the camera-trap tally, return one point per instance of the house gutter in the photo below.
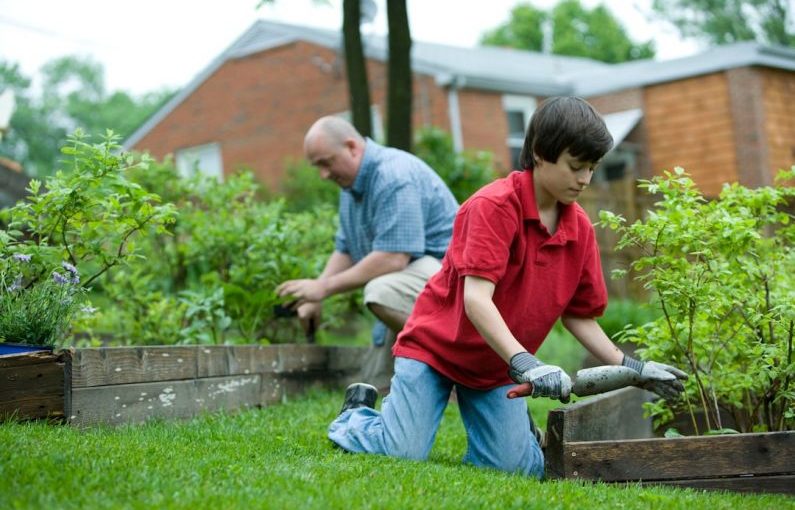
(453, 83)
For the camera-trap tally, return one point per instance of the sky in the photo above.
(148, 45)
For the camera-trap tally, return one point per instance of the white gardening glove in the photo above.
(546, 380)
(659, 378)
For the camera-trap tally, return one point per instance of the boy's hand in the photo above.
(659, 378)
(546, 380)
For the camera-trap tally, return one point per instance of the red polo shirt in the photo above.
(538, 277)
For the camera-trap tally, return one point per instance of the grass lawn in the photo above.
(279, 457)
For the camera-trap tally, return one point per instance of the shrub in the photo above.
(723, 272)
(88, 214)
(222, 259)
(464, 172)
(304, 190)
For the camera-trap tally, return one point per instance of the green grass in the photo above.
(279, 457)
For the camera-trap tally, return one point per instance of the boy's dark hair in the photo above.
(562, 123)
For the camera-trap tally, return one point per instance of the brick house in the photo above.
(725, 115)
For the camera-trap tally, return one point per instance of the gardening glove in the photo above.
(659, 378)
(546, 380)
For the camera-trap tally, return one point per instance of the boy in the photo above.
(523, 255)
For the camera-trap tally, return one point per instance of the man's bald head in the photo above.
(334, 130)
(335, 147)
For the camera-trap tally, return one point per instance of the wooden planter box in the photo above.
(117, 385)
(34, 385)
(606, 438)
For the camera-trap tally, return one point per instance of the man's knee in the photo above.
(381, 290)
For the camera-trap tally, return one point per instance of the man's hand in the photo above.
(547, 380)
(659, 378)
(309, 313)
(304, 291)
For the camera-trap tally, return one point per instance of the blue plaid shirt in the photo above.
(397, 203)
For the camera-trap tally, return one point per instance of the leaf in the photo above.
(672, 432)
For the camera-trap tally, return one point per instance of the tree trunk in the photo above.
(358, 91)
(399, 88)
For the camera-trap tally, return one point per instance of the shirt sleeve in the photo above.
(398, 221)
(340, 243)
(590, 298)
(482, 237)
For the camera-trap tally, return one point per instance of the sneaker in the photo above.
(359, 395)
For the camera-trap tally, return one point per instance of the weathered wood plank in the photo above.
(223, 360)
(135, 403)
(781, 484)
(681, 457)
(613, 415)
(346, 359)
(32, 385)
(27, 358)
(302, 358)
(124, 365)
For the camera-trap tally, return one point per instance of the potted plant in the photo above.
(36, 305)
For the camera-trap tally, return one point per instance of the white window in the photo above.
(203, 159)
(518, 110)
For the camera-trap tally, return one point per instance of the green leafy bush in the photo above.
(88, 214)
(723, 272)
(216, 268)
(304, 190)
(622, 314)
(464, 173)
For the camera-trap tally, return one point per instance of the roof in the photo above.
(640, 73)
(502, 70)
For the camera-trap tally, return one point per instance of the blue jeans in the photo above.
(497, 428)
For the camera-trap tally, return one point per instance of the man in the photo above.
(396, 218)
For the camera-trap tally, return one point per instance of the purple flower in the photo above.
(21, 257)
(59, 278)
(69, 267)
(75, 279)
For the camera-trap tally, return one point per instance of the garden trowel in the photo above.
(590, 381)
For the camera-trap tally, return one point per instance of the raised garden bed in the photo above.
(116, 385)
(606, 438)
(34, 385)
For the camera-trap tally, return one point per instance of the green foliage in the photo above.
(89, 214)
(731, 21)
(576, 31)
(73, 95)
(33, 310)
(464, 172)
(279, 457)
(211, 277)
(304, 190)
(621, 315)
(723, 272)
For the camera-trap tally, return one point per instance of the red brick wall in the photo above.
(259, 107)
(484, 125)
(689, 124)
(779, 107)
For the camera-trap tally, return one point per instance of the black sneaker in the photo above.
(359, 395)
